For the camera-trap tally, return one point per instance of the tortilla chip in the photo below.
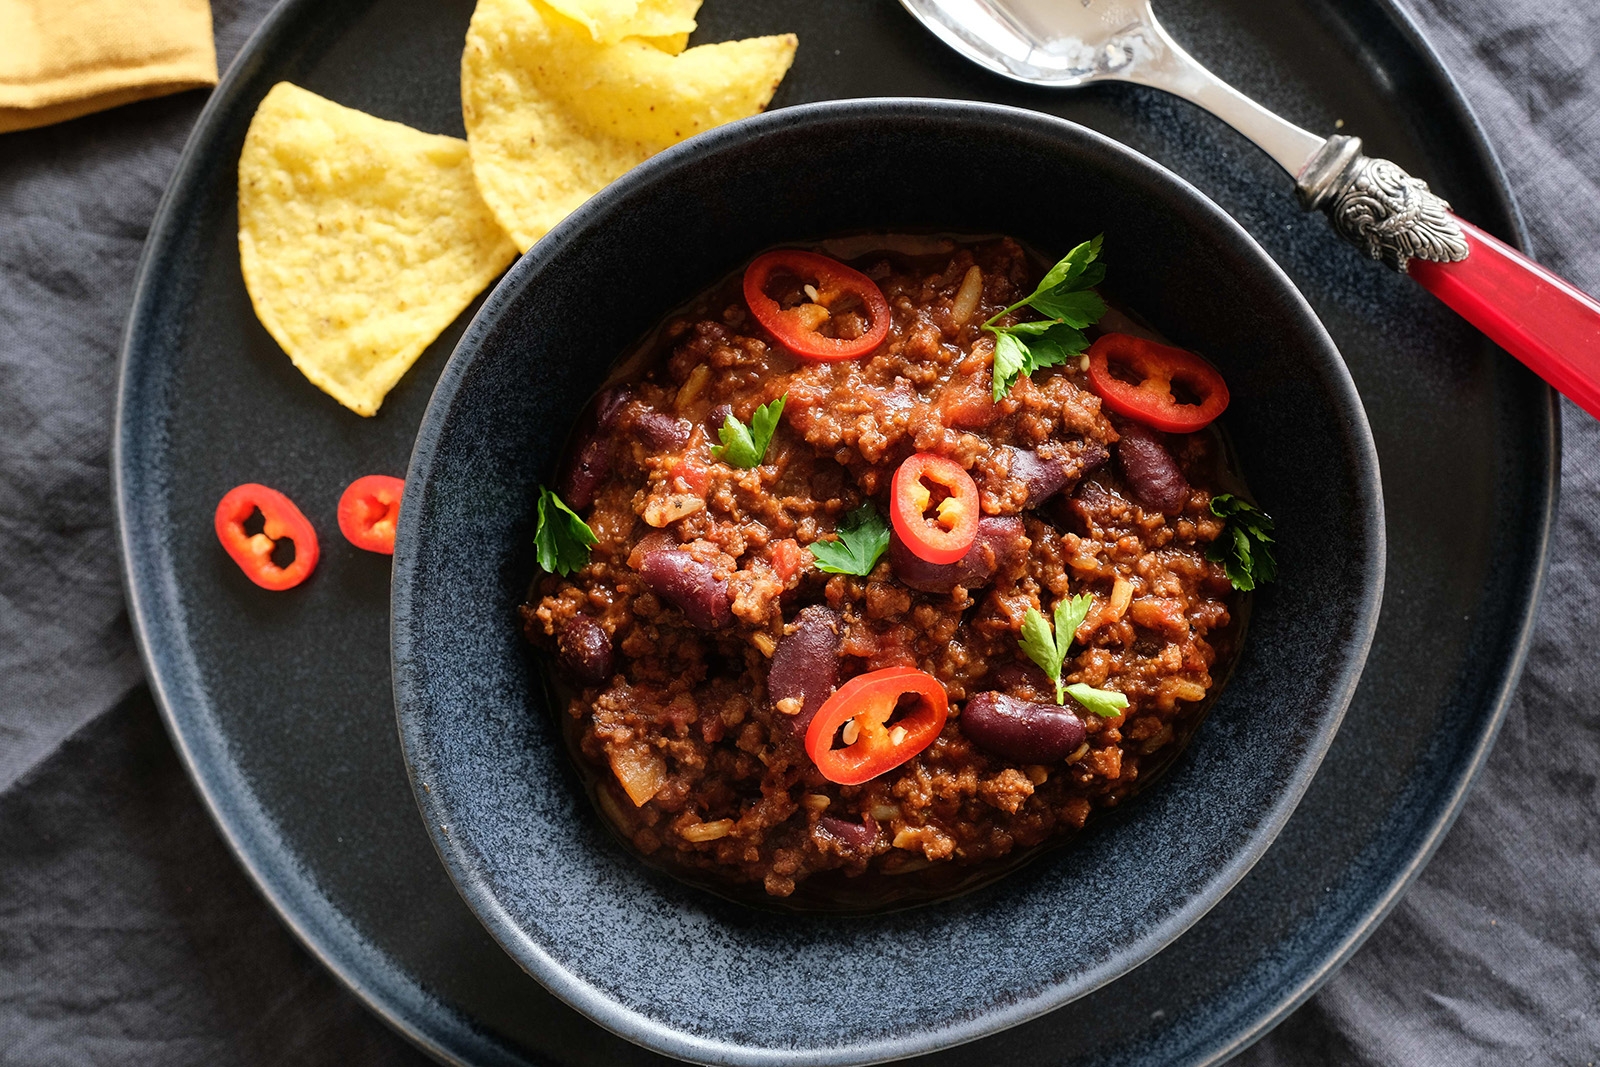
(671, 44)
(609, 21)
(360, 240)
(553, 116)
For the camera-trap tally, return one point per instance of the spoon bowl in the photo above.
(1043, 42)
(1062, 44)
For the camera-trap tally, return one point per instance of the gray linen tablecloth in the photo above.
(129, 936)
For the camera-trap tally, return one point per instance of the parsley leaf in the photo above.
(1076, 309)
(1073, 265)
(863, 535)
(562, 539)
(1067, 301)
(1242, 549)
(746, 446)
(1106, 703)
(1040, 646)
(1048, 347)
(1011, 360)
(1070, 614)
(1049, 650)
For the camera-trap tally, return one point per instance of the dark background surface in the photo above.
(128, 934)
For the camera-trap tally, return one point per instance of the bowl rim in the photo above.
(593, 1002)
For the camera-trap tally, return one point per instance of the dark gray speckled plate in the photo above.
(280, 704)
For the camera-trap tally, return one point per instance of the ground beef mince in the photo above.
(701, 637)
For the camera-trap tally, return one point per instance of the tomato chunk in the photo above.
(253, 551)
(369, 510)
(876, 728)
(818, 294)
(946, 534)
(1156, 368)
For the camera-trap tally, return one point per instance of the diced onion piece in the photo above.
(707, 831)
(641, 772)
(658, 512)
(1121, 597)
(967, 297)
(1184, 689)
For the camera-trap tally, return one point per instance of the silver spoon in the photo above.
(1544, 321)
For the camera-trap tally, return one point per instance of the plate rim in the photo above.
(403, 1003)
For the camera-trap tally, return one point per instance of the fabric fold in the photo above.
(63, 58)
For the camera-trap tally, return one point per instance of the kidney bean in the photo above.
(1151, 472)
(857, 836)
(1021, 730)
(999, 542)
(585, 648)
(588, 462)
(587, 467)
(805, 665)
(1043, 477)
(685, 583)
(1091, 456)
(1046, 472)
(609, 404)
(661, 431)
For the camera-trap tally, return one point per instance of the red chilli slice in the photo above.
(874, 745)
(823, 289)
(369, 510)
(945, 536)
(1157, 368)
(281, 520)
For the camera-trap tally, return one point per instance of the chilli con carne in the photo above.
(767, 690)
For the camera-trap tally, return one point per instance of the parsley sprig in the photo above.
(746, 446)
(1049, 651)
(863, 535)
(1068, 302)
(562, 540)
(1243, 547)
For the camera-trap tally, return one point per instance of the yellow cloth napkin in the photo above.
(63, 58)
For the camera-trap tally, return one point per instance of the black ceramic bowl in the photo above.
(694, 976)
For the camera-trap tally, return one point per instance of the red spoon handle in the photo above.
(1542, 320)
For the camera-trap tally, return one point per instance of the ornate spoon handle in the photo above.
(1547, 323)
(1542, 320)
